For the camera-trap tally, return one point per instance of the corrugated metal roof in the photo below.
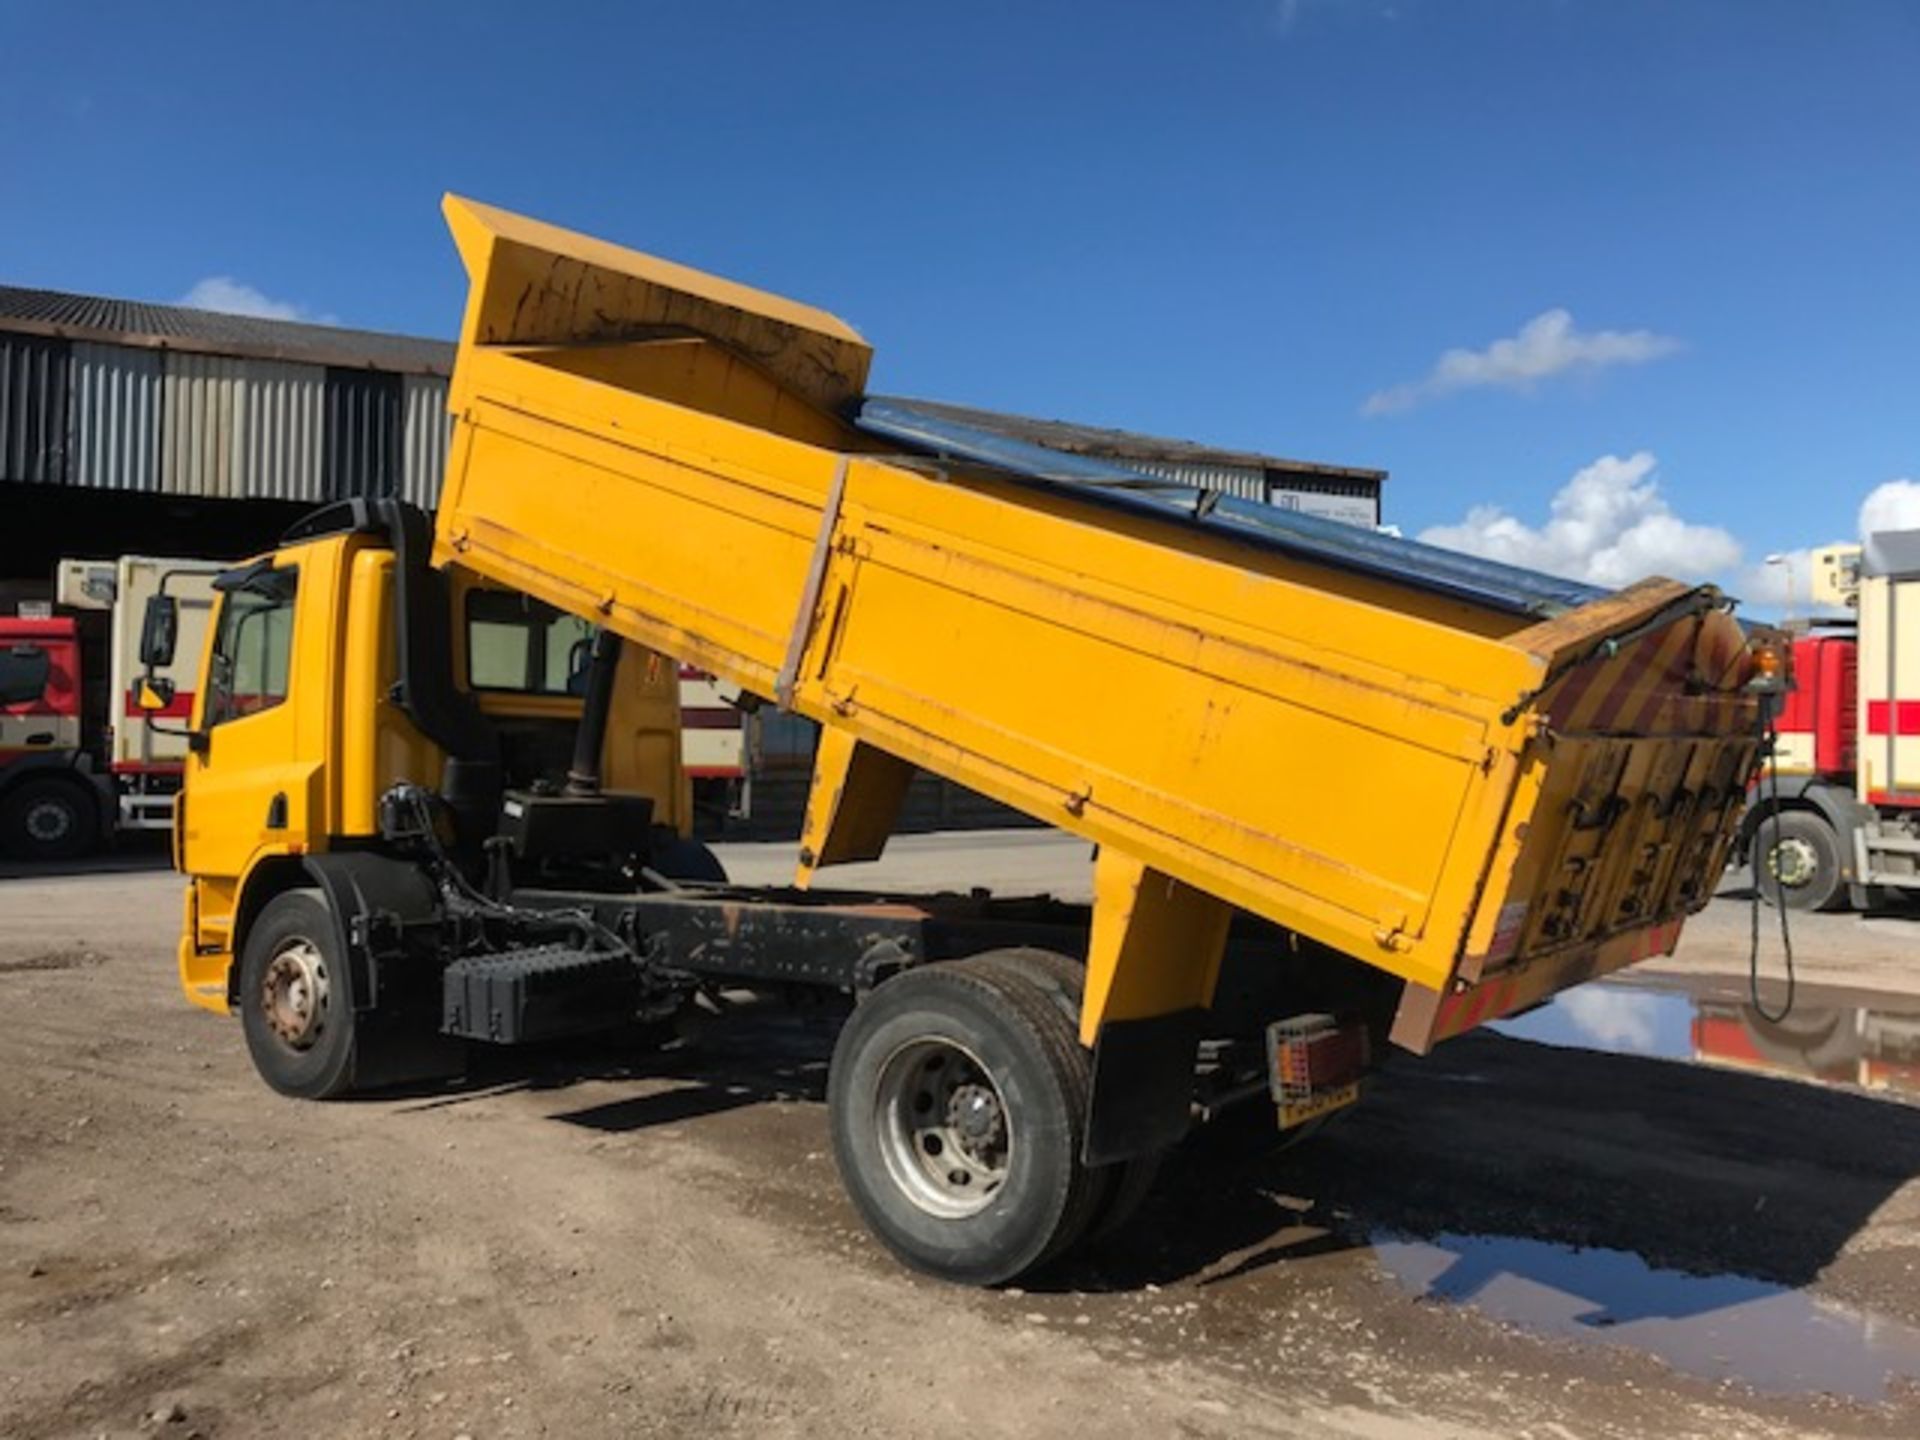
(177, 327)
(1123, 445)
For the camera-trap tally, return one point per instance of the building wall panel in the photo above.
(363, 434)
(1349, 509)
(1246, 481)
(33, 409)
(278, 432)
(197, 421)
(429, 430)
(114, 413)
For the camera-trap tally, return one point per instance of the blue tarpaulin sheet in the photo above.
(1330, 542)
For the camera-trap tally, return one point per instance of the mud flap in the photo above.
(1142, 1085)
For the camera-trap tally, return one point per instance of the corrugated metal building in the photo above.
(1337, 492)
(110, 394)
(134, 428)
(161, 429)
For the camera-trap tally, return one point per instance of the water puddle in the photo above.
(1719, 1327)
(1830, 1037)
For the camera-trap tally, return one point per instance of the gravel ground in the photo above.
(1507, 1239)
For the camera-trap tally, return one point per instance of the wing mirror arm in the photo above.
(154, 692)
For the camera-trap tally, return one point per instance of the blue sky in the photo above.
(1255, 222)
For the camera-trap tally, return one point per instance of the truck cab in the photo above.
(327, 682)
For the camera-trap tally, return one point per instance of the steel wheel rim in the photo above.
(1793, 863)
(945, 1134)
(295, 994)
(48, 820)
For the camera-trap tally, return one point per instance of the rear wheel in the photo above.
(679, 857)
(1120, 1189)
(49, 819)
(295, 1004)
(1797, 861)
(958, 1102)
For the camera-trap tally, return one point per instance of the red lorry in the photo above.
(1836, 820)
(55, 802)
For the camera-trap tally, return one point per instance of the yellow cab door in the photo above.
(251, 787)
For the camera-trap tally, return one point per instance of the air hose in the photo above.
(1768, 737)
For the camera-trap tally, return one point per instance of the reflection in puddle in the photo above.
(1833, 1044)
(1721, 1327)
(1616, 1018)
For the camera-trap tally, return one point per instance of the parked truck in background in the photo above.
(1835, 820)
(79, 761)
(717, 746)
(1345, 789)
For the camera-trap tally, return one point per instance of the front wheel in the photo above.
(1797, 861)
(295, 1004)
(49, 819)
(957, 1101)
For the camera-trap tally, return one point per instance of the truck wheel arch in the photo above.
(1813, 796)
(266, 881)
(355, 884)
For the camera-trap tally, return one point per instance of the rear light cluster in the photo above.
(1311, 1054)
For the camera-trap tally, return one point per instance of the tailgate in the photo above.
(1629, 797)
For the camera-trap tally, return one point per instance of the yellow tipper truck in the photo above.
(1345, 789)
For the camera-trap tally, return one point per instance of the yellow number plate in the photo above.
(1325, 1103)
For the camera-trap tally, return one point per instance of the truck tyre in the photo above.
(48, 819)
(680, 858)
(1810, 1040)
(1797, 861)
(295, 1006)
(957, 1101)
(1118, 1190)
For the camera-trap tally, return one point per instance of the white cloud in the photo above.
(1892, 505)
(1609, 525)
(1287, 13)
(1616, 1020)
(1547, 345)
(235, 297)
(1780, 583)
(1786, 585)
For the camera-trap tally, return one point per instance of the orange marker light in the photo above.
(1766, 674)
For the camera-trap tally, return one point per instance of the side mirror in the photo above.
(152, 694)
(159, 631)
(23, 675)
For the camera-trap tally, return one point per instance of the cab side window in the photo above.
(24, 670)
(516, 643)
(252, 648)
